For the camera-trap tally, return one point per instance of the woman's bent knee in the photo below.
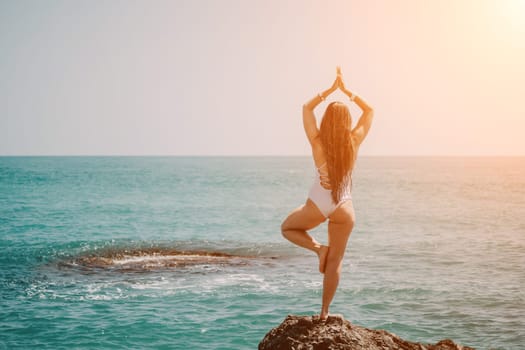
(284, 226)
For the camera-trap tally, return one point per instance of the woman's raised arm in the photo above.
(309, 122)
(365, 121)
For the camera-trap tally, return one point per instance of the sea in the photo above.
(168, 252)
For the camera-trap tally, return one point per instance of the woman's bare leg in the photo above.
(339, 229)
(298, 222)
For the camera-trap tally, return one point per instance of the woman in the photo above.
(334, 148)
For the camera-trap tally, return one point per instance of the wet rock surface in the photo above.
(150, 259)
(310, 333)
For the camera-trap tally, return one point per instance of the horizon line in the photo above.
(267, 155)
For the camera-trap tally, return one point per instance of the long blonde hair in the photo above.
(339, 150)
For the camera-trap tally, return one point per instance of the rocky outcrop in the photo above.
(336, 333)
(149, 259)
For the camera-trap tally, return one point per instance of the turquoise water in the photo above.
(437, 251)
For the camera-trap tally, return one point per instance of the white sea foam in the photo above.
(163, 258)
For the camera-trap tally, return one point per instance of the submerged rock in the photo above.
(336, 333)
(149, 259)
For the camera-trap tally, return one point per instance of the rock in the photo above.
(336, 333)
(149, 259)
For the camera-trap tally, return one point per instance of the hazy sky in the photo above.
(195, 77)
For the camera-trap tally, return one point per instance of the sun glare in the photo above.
(512, 13)
(503, 23)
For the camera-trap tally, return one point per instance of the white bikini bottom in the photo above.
(322, 198)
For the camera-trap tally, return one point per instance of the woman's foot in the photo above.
(323, 253)
(323, 316)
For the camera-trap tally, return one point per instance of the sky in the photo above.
(224, 77)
